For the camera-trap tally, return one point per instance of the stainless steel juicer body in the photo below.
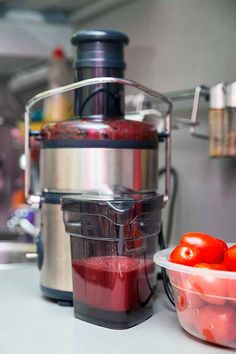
(54, 254)
(74, 168)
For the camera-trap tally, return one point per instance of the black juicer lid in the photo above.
(120, 209)
(100, 48)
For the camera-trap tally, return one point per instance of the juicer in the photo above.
(99, 149)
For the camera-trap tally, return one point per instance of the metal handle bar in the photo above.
(101, 80)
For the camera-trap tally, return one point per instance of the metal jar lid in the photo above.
(231, 95)
(217, 96)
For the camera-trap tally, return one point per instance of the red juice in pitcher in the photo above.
(113, 240)
(113, 283)
(114, 289)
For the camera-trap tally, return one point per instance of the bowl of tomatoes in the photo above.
(202, 273)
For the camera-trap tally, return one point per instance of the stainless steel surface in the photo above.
(56, 268)
(84, 83)
(15, 252)
(78, 169)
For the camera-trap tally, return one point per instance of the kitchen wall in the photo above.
(177, 44)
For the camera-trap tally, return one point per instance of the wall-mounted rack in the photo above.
(200, 91)
(142, 105)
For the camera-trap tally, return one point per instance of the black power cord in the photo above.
(174, 190)
(170, 217)
(165, 279)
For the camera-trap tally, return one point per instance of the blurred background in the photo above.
(174, 45)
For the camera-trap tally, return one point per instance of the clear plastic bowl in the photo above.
(205, 300)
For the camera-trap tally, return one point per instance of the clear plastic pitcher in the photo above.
(113, 240)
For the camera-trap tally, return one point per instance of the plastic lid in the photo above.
(118, 202)
(121, 209)
(217, 96)
(231, 95)
(99, 35)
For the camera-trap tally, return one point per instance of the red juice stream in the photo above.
(113, 289)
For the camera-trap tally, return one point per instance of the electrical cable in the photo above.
(170, 217)
(165, 279)
(174, 190)
(166, 284)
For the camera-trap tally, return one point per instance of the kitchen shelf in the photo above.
(24, 44)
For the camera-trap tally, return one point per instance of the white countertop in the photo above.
(30, 324)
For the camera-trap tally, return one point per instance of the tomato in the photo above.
(181, 302)
(213, 266)
(210, 287)
(175, 278)
(187, 304)
(217, 323)
(194, 300)
(223, 245)
(186, 312)
(187, 318)
(186, 255)
(230, 258)
(232, 291)
(212, 249)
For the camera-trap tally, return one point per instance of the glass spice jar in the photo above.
(231, 119)
(217, 121)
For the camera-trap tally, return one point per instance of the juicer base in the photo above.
(64, 298)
